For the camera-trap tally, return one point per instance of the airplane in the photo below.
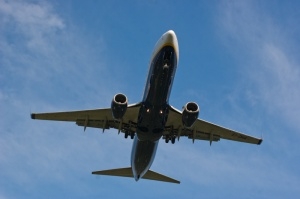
(151, 119)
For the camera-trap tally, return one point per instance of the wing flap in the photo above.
(94, 123)
(204, 136)
(107, 124)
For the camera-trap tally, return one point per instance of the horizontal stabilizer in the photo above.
(127, 172)
(122, 172)
(151, 175)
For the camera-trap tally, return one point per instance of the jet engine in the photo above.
(190, 114)
(119, 106)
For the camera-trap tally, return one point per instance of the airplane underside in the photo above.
(151, 119)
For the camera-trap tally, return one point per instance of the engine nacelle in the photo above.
(119, 106)
(190, 114)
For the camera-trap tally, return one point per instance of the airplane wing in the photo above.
(96, 118)
(202, 130)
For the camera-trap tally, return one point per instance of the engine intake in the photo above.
(119, 106)
(190, 114)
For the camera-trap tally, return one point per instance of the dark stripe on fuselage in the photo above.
(154, 110)
(142, 156)
(153, 113)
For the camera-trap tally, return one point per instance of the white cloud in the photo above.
(265, 50)
(28, 13)
(281, 87)
(36, 21)
(46, 65)
(38, 51)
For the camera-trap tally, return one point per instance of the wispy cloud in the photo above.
(49, 65)
(43, 62)
(34, 24)
(44, 50)
(267, 54)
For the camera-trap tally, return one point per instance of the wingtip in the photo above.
(32, 116)
(260, 141)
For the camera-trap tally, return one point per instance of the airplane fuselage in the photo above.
(153, 113)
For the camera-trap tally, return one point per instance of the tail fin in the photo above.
(127, 172)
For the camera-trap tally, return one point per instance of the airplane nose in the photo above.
(170, 37)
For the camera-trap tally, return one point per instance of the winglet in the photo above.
(261, 139)
(32, 116)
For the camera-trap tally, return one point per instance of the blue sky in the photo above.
(239, 60)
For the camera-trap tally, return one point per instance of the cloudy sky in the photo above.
(239, 60)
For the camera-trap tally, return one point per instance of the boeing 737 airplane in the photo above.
(151, 119)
